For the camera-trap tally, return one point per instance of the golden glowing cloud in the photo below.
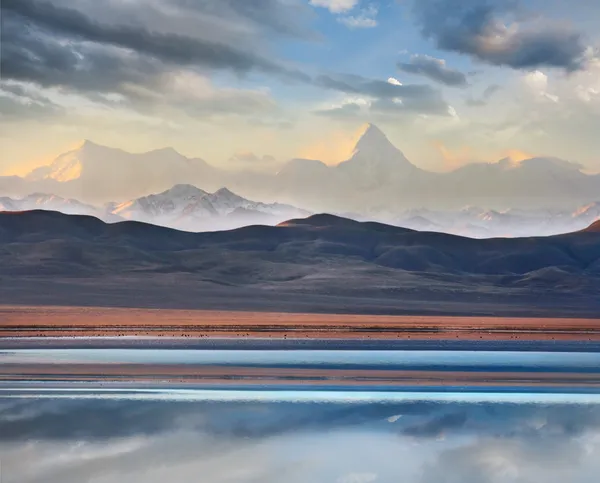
(517, 156)
(455, 158)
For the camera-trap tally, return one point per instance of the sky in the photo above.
(253, 83)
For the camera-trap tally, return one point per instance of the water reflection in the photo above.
(61, 430)
(155, 441)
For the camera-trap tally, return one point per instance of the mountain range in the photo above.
(183, 206)
(189, 208)
(319, 263)
(377, 177)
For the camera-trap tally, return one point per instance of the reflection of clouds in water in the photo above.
(519, 461)
(68, 441)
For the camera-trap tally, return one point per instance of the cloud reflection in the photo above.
(109, 441)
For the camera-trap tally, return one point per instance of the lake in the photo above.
(112, 410)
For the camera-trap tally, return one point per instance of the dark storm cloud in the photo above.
(168, 48)
(476, 28)
(434, 69)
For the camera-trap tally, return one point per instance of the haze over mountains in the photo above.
(317, 263)
(184, 207)
(189, 208)
(376, 178)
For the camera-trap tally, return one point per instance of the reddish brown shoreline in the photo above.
(25, 321)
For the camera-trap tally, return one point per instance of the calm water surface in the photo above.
(73, 411)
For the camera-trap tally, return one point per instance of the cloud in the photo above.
(386, 109)
(462, 155)
(487, 94)
(352, 84)
(278, 16)
(17, 103)
(33, 17)
(377, 97)
(365, 18)
(479, 28)
(434, 69)
(362, 18)
(335, 6)
(433, 105)
(132, 67)
(197, 96)
(537, 83)
(345, 111)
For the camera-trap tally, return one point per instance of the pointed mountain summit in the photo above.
(371, 138)
(375, 158)
(185, 191)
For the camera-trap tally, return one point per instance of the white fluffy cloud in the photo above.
(335, 6)
(365, 18)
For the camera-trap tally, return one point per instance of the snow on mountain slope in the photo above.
(190, 208)
(49, 202)
(374, 155)
(8, 204)
(179, 200)
(42, 201)
(100, 173)
(376, 177)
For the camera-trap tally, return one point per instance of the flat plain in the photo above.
(40, 321)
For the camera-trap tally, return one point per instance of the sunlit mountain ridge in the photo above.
(376, 177)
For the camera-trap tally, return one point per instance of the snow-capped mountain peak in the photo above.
(375, 156)
(371, 138)
(186, 206)
(185, 191)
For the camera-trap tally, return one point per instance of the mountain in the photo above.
(375, 161)
(98, 173)
(593, 228)
(189, 208)
(477, 222)
(322, 262)
(375, 171)
(377, 177)
(8, 204)
(49, 202)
